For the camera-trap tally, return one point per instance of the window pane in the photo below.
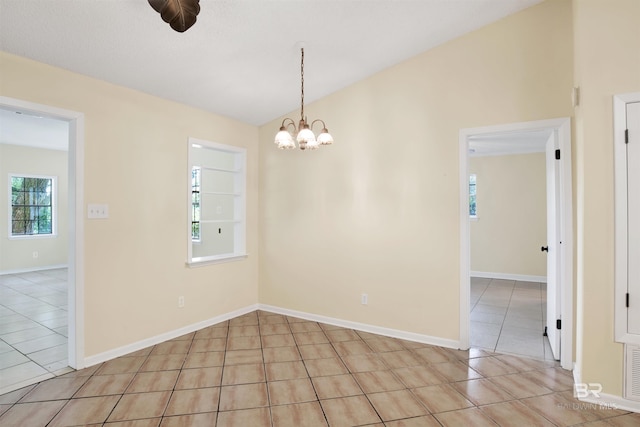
(17, 198)
(472, 195)
(43, 198)
(20, 213)
(17, 183)
(195, 179)
(44, 214)
(44, 226)
(17, 227)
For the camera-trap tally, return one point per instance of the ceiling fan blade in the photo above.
(179, 14)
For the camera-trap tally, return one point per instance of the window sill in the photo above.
(32, 236)
(219, 259)
(473, 217)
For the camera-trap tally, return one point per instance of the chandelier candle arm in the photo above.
(304, 133)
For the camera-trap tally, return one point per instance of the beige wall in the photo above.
(136, 162)
(607, 62)
(17, 254)
(512, 216)
(378, 212)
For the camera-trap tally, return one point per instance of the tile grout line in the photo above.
(324, 414)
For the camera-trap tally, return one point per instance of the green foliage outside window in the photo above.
(472, 195)
(31, 206)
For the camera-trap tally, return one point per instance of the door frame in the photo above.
(562, 129)
(75, 352)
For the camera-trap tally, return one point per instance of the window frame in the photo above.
(54, 207)
(240, 196)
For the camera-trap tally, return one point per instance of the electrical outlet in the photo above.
(364, 299)
(180, 301)
(35, 254)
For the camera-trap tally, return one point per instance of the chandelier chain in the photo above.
(302, 85)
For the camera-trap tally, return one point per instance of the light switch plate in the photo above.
(96, 211)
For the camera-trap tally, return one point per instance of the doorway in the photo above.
(554, 136)
(55, 290)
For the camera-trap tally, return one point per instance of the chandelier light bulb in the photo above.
(325, 137)
(284, 140)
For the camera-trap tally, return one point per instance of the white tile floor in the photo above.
(508, 316)
(33, 327)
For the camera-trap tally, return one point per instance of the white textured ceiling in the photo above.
(241, 58)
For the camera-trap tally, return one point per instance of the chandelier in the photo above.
(305, 136)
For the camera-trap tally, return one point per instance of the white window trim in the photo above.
(240, 212)
(54, 208)
(218, 259)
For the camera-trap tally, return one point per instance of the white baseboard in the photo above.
(394, 333)
(611, 401)
(605, 400)
(130, 348)
(509, 276)
(29, 270)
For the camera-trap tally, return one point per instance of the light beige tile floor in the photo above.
(509, 316)
(265, 369)
(33, 327)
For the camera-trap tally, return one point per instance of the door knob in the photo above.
(545, 249)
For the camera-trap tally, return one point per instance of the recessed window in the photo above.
(32, 205)
(472, 196)
(217, 198)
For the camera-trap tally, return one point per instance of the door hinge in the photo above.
(545, 332)
(627, 302)
(626, 136)
(557, 154)
(559, 324)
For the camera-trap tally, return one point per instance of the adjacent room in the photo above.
(508, 212)
(213, 276)
(34, 247)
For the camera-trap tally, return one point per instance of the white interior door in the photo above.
(633, 213)
(553, 247)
